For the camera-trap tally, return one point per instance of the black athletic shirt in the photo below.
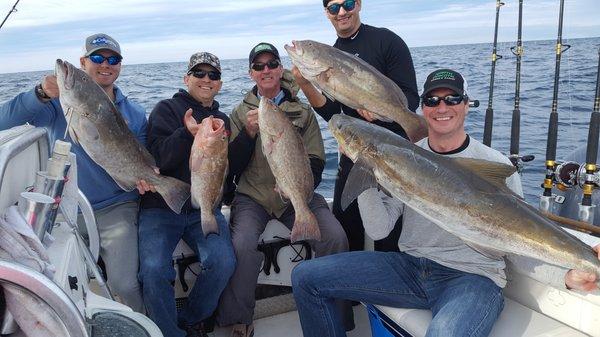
(388, 53)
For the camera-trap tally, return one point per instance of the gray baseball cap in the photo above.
(101, 41)
(204, 58)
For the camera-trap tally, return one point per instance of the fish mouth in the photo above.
(64, 73)
(294, 48)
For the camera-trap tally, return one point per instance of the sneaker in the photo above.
(196, 330)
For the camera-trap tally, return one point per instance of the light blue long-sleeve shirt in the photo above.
(96, 184)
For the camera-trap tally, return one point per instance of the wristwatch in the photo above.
(41, 94)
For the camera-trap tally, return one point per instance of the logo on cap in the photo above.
(262, 47)
(443, 75)
(103, 40)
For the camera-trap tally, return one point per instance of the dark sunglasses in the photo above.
(213, 75)
(433, 101)
(261, 66)
(348, 5)
(99, 59)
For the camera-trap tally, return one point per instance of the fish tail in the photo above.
(305, 227)
(208, 223)
(174, 191)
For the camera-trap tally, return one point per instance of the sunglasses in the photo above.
(433, 101)
(213, 75)
(259, 66)
(348, 5)
(99, 59)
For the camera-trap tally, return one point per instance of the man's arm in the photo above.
(168, 137)
(313, 141)
(27, 108)
(379, 213)
(322, 105)
(401, 70)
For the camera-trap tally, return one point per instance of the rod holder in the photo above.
(586, 213)
(35, 209)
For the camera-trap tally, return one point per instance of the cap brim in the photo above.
(445, 86)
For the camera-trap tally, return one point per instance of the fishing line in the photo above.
(12, 10)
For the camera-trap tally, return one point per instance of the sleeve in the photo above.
(141, 123)
(313, 140)
(329, 109)
(379, 212)
(241, 146)
(27, 108)
(167, 137)
(401, 70)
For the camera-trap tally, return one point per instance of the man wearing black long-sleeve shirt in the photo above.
(388, 53)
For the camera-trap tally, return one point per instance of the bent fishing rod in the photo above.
(12, 10)
(489, 112)
(546, 198)
(515, 130)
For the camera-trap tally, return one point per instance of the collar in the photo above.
(459, 149)
(277, 99)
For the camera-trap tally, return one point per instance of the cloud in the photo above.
(166, 31)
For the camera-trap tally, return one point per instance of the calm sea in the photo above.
(149, 83)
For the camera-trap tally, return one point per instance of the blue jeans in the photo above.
(462, 304)
(159, 232)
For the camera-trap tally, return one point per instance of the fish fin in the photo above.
(494, 172)
(209, 224)
(195, 202)
(124, 185)
(174, 191)
(305, 227)
(359, 179)
(148, 158)
(326, 94)
(196, 161)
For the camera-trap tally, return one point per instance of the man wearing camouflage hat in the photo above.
(170, 140)
(115, 210)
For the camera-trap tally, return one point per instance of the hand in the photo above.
(368, 115)
(190, 122)
(580, 280)
(50, 86)
(298, 77)
(144, 187)
(252, 123)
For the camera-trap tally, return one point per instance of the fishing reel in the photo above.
(571, 174)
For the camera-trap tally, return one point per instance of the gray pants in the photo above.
(248, 221)
(118, 231)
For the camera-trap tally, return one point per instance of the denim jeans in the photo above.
(159, 232)
(462, 304)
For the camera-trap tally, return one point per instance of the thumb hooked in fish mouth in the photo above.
(190, 122)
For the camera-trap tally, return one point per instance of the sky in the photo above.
(153, 31)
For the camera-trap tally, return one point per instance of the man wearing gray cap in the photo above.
(115, 210)
(171, 133)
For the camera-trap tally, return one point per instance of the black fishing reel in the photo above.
(571, 174)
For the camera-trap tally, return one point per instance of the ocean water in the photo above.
(149, 83)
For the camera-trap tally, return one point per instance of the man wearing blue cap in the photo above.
(115, 210)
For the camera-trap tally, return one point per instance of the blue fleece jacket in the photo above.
(94, 182)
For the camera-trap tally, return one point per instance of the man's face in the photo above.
(344, 22)
(266, 79)
(203, 89)
(104, 74)
(445, 120)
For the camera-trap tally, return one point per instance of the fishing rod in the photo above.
(586, 208)
(515, 131)
(546, 198)
(489, 112)
(12, 10)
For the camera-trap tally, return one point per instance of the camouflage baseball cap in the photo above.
(204, 58)
(100, 41)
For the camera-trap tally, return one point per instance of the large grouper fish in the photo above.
(95, 123)
(466, 197)
(208, 167)
(355, 83)
(288, 159)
